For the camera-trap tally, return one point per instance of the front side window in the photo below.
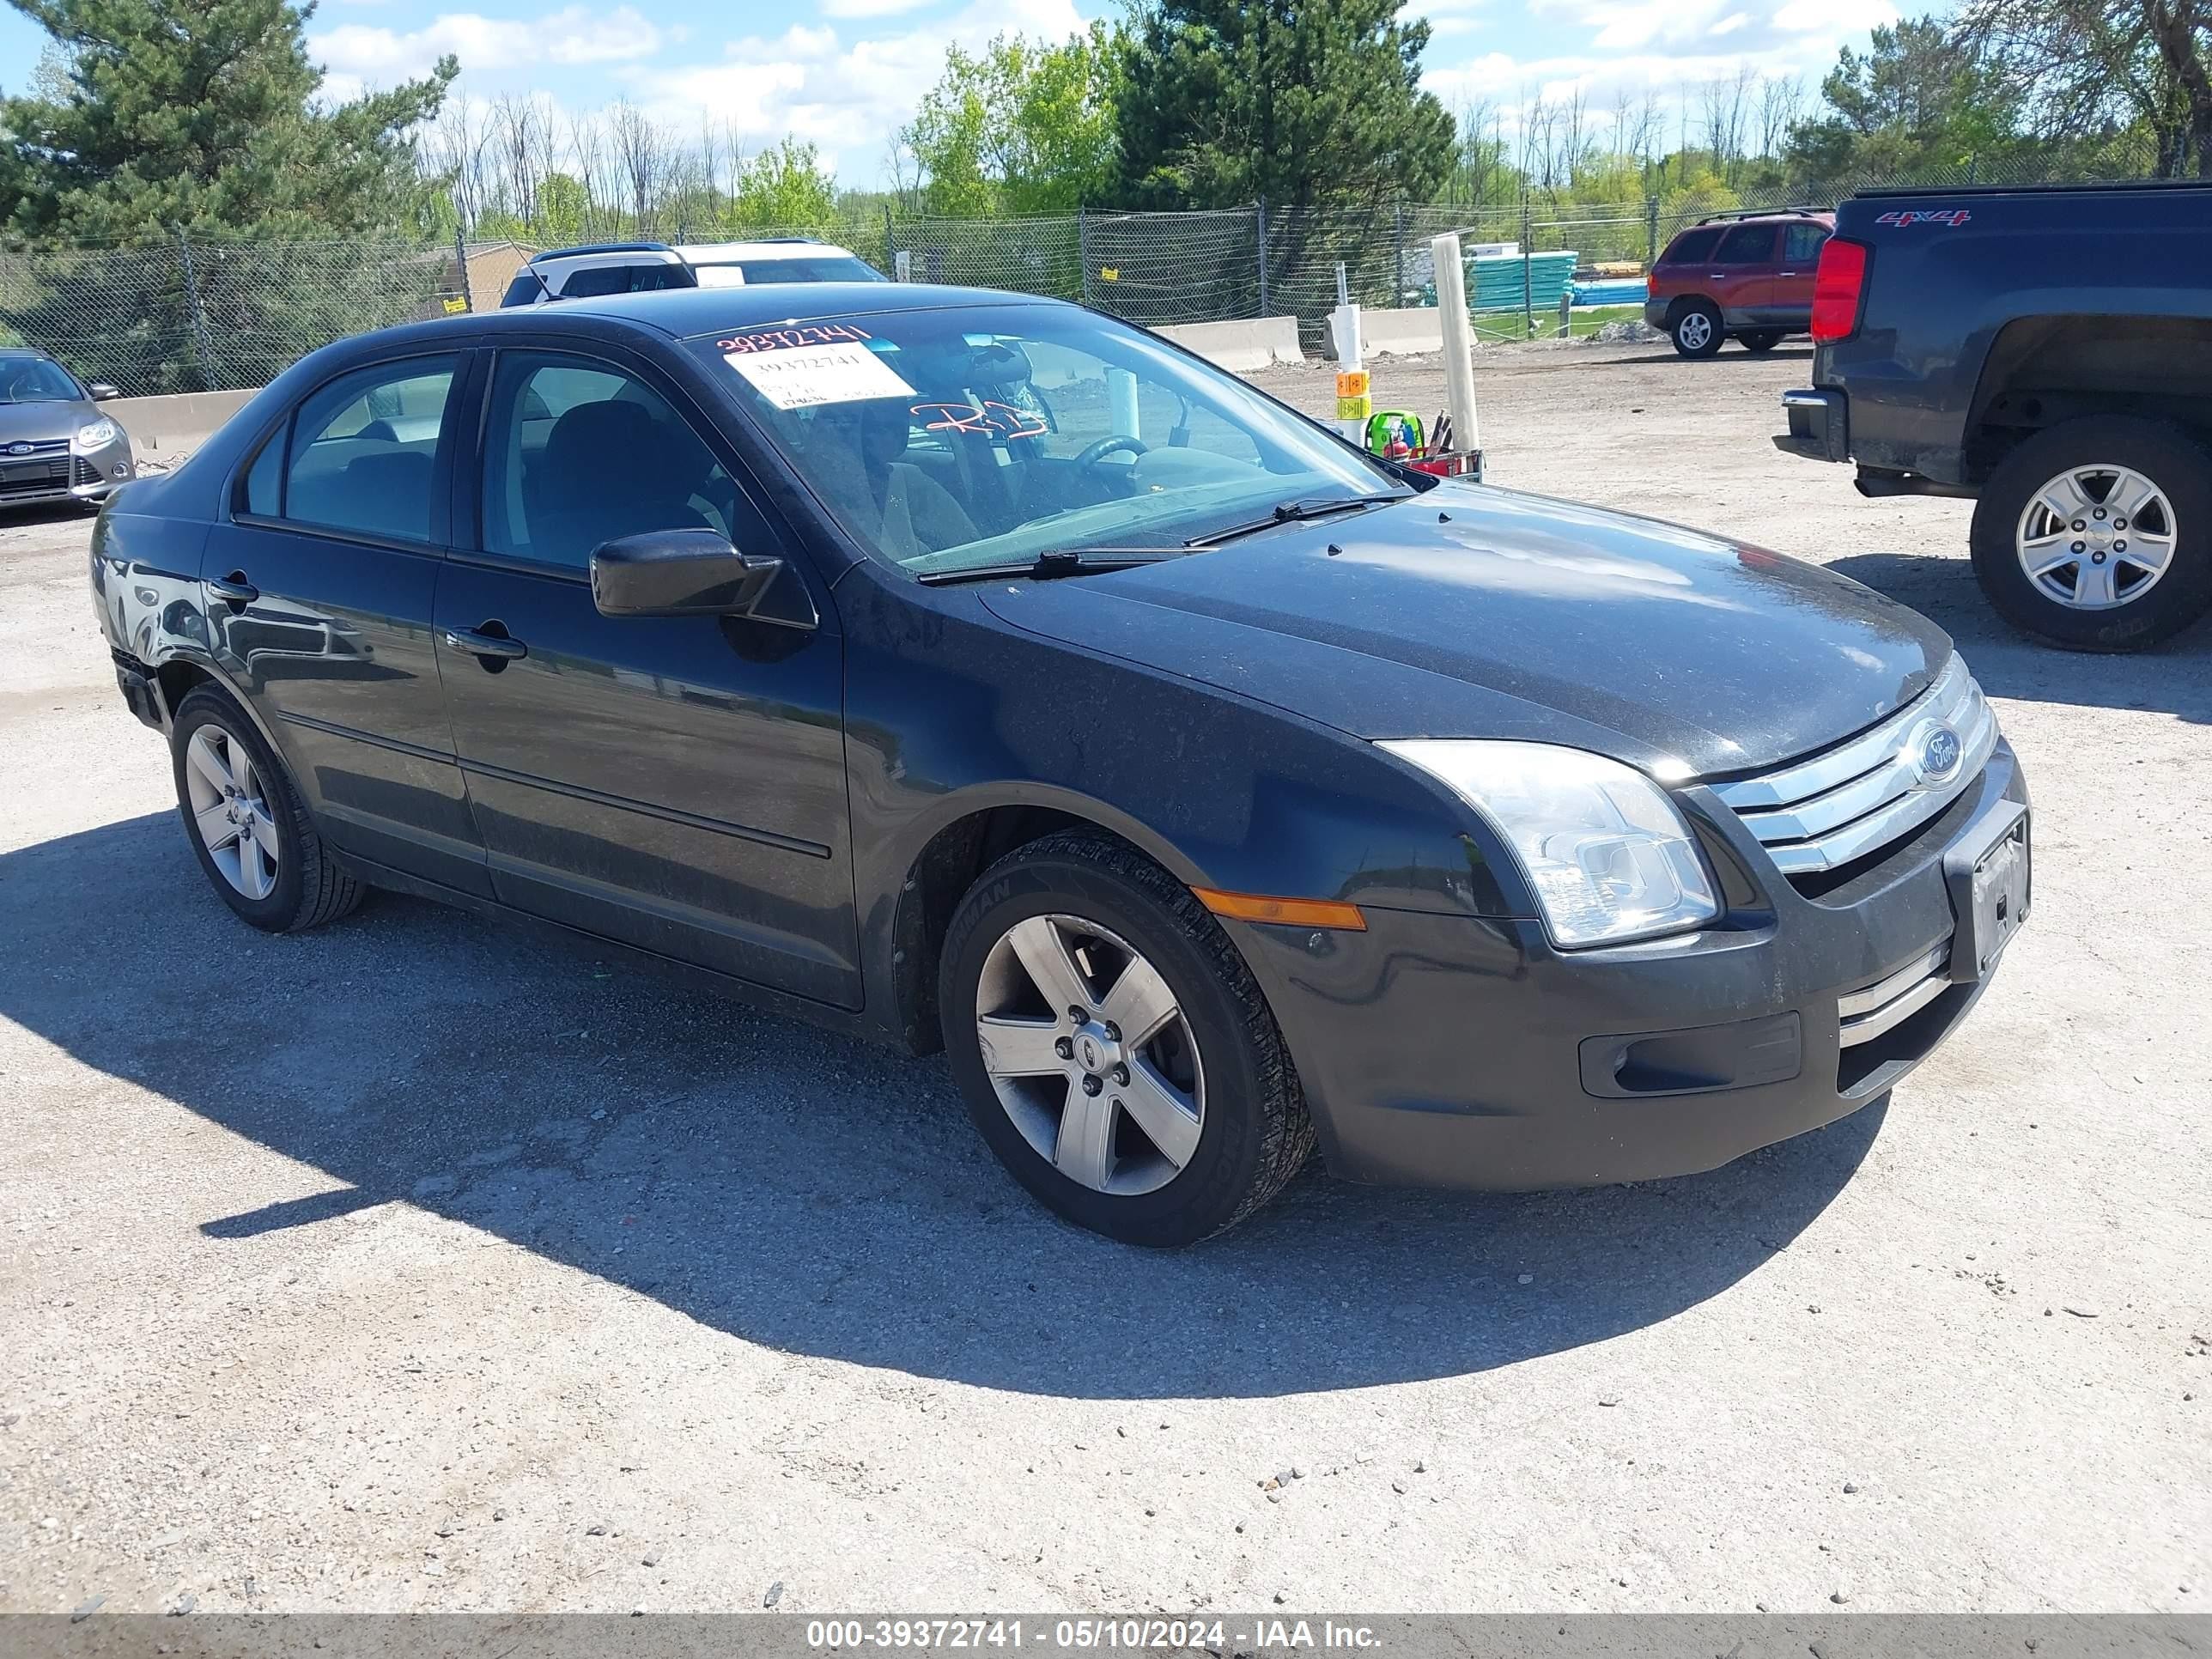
(975, 435)
(1747, 245)
(363, 450)
(1692, 247)
(578, 452)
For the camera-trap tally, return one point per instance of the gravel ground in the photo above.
(409, 1264)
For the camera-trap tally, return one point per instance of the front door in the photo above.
(675, 783)
(319, 584)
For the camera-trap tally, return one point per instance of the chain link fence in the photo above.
(183, 314)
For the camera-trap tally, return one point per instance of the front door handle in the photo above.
(478, 643)
(234, 589)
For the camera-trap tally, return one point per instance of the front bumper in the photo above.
(1443, 1051)
(1819, 425)
(44, 480)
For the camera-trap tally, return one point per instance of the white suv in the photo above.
(575, 273)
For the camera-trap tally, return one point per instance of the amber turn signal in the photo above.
(1293, 912)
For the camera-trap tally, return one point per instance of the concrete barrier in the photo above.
(1256, 343)
(181, 420)
(1400, 333)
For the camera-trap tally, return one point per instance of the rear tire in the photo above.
(1697, 329)
(1758, 341)
(255, 841)
(1243, 1131)
(2026, 552)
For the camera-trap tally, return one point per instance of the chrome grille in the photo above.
(1860, 796)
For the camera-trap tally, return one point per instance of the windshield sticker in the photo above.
(1000, 419)
(809, 376)
(785, 339)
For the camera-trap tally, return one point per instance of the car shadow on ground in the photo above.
(794, 1188)
(2175, 678)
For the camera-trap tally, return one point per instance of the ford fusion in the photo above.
(971, 672)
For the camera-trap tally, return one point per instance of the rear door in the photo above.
(677, 783)
(319, 585)
(1741, 273)
(1791, 304)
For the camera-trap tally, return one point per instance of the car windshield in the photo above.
(977, 436)
(35, 380)
(830, 268)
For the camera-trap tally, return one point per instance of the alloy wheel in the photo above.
(1694, 331)
(230, 811)
(2096, 537)
(1089, 1055)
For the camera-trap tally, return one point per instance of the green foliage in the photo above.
(1019, 128)
(195, 113)
(784, 185)
(1303, 102)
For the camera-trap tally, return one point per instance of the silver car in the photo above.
(55, 445)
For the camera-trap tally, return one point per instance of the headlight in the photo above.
(94, 435)
(1607, 854)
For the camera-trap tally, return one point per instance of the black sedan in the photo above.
(969, 670)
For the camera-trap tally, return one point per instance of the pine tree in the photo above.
(201, 114)
(1303, 102)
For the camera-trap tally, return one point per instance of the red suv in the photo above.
(1748, 275)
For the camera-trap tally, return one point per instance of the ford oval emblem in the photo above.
(1936, 753)
(19, 449)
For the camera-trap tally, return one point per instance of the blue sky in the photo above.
(844, 74)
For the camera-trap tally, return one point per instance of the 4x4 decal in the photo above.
(1952, 217)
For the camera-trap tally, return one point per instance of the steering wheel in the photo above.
(1093, 454)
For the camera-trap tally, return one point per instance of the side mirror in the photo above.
(677, 572)
(101, 391)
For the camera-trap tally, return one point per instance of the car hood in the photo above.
(1473, 611)
(41, 422)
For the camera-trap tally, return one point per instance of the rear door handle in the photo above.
(485, 644)
(234, 589)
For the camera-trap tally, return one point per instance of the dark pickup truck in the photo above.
(2047, 351)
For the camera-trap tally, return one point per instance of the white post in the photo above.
(1122, 415)
(1459, 341)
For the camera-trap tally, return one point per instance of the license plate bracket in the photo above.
(1991, 877)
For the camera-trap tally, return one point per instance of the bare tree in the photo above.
(2081, 65)
(641, 161)
(1781, 104)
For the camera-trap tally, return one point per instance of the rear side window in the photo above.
(1801, 244)
(1693, 246)
(577, 452)
(1746, 244)
(363, 450)
(594, 281)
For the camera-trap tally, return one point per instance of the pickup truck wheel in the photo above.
(2097, 533)
(1115, 1052)
(1759, 339)
(254, 840)
(1697, 329)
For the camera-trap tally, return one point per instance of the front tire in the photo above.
(244, 819)
(2096, 534)
(1115, 1051)
(1697, 329)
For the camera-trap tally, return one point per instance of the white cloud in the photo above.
(357, 55)
(1447, 17)
(870, 7)
(847, 96)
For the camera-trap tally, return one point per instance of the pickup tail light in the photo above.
(1838, 286)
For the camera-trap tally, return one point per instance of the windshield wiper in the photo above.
(1055, 562)
(1291, 511)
